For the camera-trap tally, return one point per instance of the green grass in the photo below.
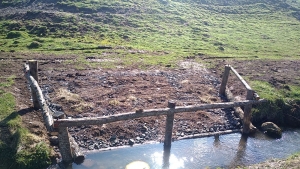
(18, 147)
(282, 104)
(241, 28)
(9, 81)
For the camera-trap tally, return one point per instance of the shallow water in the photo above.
(226, 151)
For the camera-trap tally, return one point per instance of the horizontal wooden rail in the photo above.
(240, 78)
(148, 113)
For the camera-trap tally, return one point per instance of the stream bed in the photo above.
(225, 151)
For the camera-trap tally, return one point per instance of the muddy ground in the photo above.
(102, 92)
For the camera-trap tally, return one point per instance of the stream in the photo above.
(225, 151)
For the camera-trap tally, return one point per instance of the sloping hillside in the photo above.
(243, 28)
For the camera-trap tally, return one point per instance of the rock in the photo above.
(91, 147)
(54, 140)
(121, 137)
(113, 137)
(96, 146)
(79, 116)
(144, 128)
(271, 129)
(222, 128)
(189, 131)
(131, 142)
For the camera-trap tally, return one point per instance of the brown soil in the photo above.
(103, 92)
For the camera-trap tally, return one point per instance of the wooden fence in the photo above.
(68, 147)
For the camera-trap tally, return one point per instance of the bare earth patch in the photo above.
(94, 93)
(103, 92)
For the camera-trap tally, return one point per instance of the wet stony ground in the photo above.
(95, 93)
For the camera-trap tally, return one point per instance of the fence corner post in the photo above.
(64, 144)
(224, 80)
(247, 113)
(169, 124)
(33, 70)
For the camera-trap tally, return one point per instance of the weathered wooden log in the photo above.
(148, 113)
(240, 78)
(209, 134)
(224, 80)
(64, 144)
(42, 102)
(77, 154)
(238, 110)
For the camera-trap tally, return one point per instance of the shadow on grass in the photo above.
(8, 142)
(12, 152)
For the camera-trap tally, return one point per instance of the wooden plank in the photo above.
(42, 102)
(33, 71)
(224, 80)
(241, 79)
(148, 113)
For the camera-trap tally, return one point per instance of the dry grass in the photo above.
(64, 94)
(79, 104)
(293, 162)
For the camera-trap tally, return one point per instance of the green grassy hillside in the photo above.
(243, 28)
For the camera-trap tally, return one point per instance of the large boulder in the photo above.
(271, 129)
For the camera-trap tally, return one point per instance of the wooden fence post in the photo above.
(169, 125)
(247, 113)
(224, 80)
(33, 70)
(64, 144)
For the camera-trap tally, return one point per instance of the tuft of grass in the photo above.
(9, 81)
(114, 102)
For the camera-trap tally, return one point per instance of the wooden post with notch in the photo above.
(33, 70)
(169, 125)
(247, 113)
(224, 80)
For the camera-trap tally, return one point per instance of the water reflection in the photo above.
(240, 154)
(225, 151)
(217, 142)
(166, 157)
(166, 160)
